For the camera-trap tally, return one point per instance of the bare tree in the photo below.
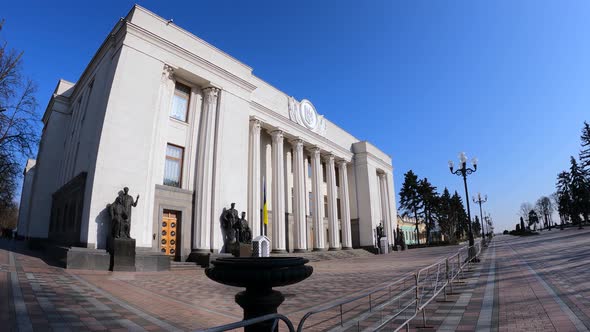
(545, 209)
(18, 120)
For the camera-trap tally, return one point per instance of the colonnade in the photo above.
(300, 240)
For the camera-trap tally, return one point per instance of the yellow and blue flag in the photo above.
(264, 206)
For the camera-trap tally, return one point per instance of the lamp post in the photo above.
(480, 200)
(464, 171)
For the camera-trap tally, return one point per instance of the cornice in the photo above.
(380, 162)
(171, 24)
(293, 129)
(168, 46)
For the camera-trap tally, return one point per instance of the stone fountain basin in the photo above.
(259, 272)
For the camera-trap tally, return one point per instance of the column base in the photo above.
(279, 251)
(334, 249)
(300, 250)
(346, 248)
(319, 249)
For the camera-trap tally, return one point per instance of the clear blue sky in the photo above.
(506, 81)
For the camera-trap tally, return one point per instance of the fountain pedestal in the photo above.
(259, 275)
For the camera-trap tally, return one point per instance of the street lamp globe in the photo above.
(463, 157)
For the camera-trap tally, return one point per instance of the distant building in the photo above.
(407, 225)
(192, 130)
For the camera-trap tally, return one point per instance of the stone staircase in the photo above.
(316, 256)
(184, 266)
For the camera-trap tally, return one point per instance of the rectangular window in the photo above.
(308, 169)
(180, 102)
(325, 206)
(338, 207)
(324, 172)
(173, 167)
(337, 177)
(310, 203)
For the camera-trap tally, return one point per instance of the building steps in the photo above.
(184, 266)
(316, 256)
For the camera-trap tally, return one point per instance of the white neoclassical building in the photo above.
(191, 130)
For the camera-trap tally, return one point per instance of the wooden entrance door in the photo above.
(169, 232)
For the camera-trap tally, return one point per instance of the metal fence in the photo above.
(394, 305)
(391, 306)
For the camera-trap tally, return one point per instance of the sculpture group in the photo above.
(120, 213)
(236, 229)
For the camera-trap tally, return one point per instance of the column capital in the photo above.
(315, 150)
(329, 157)
(255, 123)
(296, 142)
(277, 133)
(211, 92)
(167, 72)
(342, 163)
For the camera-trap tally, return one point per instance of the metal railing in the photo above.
(396, 304)
(390, 306)
(274, 317)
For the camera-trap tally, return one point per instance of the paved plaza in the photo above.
(537, 283)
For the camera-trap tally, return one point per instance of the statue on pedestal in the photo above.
(120, 213)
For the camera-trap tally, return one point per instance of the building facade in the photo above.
(191, 130)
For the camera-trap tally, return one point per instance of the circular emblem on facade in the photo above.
(308, 114)
(305, 114)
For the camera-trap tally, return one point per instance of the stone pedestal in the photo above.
(384, 245)
(245, 250)
(123, 255)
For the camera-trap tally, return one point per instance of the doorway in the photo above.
(169, 233)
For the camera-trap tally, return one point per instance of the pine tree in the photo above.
(409, 198)
(445, 216)
(580, 195)
(428, 198)
(585, 152)
(476, 226)
(459, 214)
(563, 196)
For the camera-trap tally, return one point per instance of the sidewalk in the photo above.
(522, 284)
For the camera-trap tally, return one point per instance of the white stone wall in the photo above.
(120, 137)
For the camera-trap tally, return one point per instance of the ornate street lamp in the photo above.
(464, 171)
(480, 200)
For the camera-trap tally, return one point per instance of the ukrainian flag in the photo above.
(264, 206)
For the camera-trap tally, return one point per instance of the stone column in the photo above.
(317, 210)
(299, 197)
(385, 207)
(202, 215)
(333, 228)
(278, 193)
(344, 206)
(254, 205)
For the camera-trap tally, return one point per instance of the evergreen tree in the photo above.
(580, 194)
(459, 214)
(563, 196)
(409, 198)
(585, 152)
(476, 226)
(429, 200)
(533, 219)
(446, 221)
